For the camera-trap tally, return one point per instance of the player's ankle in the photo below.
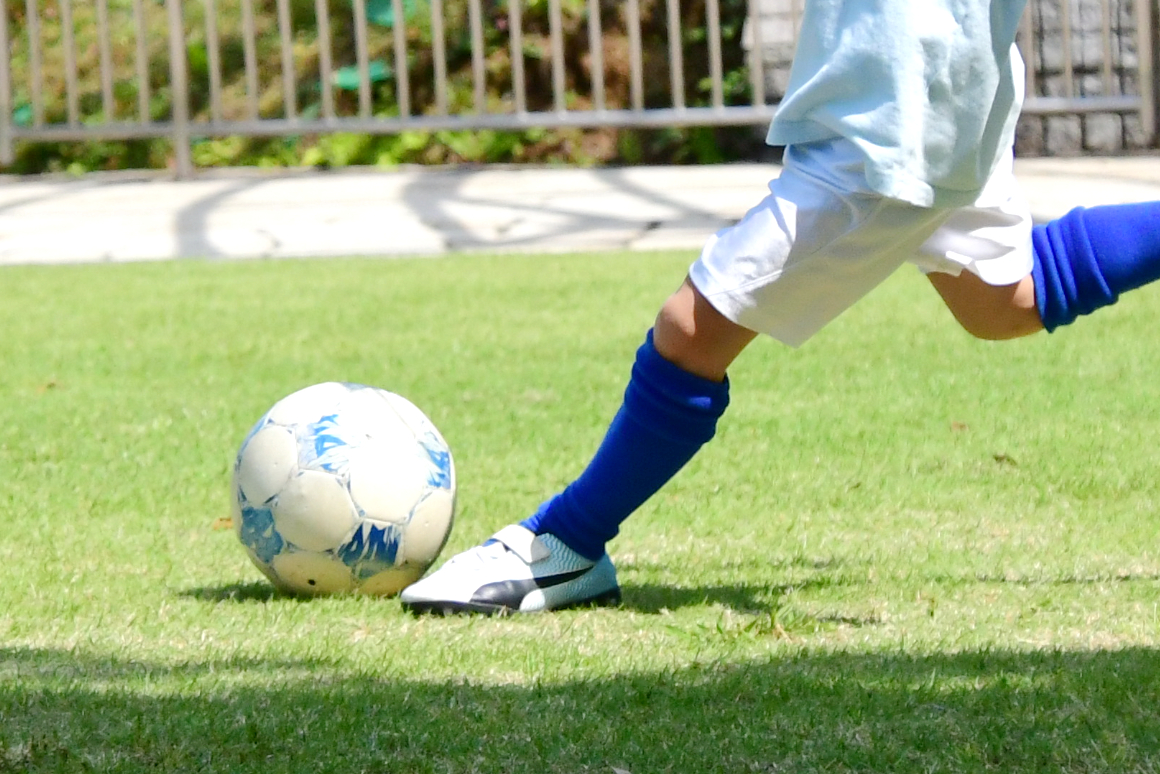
(591, 550)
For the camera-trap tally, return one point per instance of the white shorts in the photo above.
(822, 239)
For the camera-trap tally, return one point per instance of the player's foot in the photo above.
(515, 571)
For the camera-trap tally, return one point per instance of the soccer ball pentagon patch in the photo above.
(343, 488)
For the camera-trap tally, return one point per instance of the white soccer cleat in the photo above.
(515, 571)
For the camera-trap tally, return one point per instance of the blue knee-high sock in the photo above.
(667, 415)
(1087, 258)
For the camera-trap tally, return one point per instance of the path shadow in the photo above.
(439, 197)
(191, 222)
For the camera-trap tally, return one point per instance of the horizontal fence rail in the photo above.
(85, 70)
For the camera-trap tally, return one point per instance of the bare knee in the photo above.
(991, 312)
(691, 333)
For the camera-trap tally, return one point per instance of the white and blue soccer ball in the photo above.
(343, 488)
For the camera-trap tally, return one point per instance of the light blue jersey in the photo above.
(929, 91)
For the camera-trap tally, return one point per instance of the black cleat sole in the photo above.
(610, 598)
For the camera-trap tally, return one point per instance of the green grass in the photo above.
(906, 551)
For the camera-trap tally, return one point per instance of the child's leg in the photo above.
(556, 558)
(819, 242)
(693, 335)
(676, 393)
(992, 312)
(1082, 262)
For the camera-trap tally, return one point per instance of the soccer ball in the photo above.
(343, 488)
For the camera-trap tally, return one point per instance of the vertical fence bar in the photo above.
(756, 54)
(142, 63)
(325, 57)
(402, 73)
(7, 156)
(596, 54)
(1068, 65)
(635, 57)
(108, 106)
(1106, 45)
(556, 35)
(676, 58)
(289, 83)
(1027, 52)
(519, 85)
(250, 58)
(1145, 77)
(70, 62)
(179, 82)
(214, 61)
(478, 76)
(440, 52)
(362, 56)
(35, 76)
(716, 77)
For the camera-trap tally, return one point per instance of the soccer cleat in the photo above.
(515, 571)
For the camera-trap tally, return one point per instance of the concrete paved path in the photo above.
(421, 211)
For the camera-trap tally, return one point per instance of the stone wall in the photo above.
(1103, 57)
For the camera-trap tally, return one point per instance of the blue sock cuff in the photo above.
(1087, 258)
(672, 402)
(1068, 282)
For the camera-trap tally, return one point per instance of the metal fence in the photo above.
(80, 70)
(1090, 74)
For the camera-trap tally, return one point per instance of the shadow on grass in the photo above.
(656, 598)
(255, 591)
(652, 599)
(745, 598)
(806, 712)
(1062, 580)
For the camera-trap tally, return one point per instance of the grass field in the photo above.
(906, 551)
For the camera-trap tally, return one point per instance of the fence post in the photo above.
(1146, 50)
(179, 88)
(7, 156)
